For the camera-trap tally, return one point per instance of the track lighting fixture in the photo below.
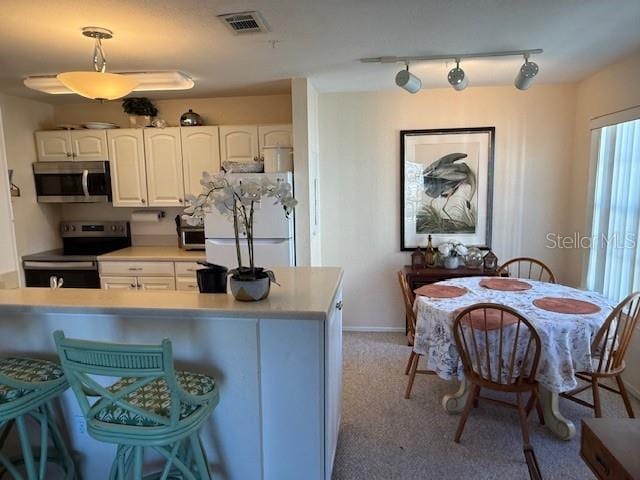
(526, 74)
(405, 79)
(457, 78)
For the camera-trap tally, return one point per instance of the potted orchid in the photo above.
(237, 199)
(451, 252)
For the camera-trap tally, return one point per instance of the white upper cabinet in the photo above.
(200, 153)
(238, 143)
(275, 135)
(163, 154)
(89, 145)
(54, 146)
(128, 172)
(70, 145)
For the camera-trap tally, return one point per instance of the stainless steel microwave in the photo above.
(72, 182)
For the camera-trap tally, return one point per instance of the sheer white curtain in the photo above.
(614, 260)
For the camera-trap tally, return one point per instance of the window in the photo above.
(614, 258)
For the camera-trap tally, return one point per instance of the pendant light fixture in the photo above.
(526, 74)
(457, 78)
(98, 84)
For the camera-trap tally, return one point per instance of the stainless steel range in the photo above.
(76, 263)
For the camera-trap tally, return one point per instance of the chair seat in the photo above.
(155, 398)
(26, 370)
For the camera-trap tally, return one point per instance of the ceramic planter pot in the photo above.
(451, 263)
(250, 290)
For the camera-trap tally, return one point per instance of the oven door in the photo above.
(73, 274)
(72, 182)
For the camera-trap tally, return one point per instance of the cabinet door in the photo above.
(89, 145)
(275, 135)
(187, 284)
(333, 399)
(53, 146)
(118, 283)
(164, 167)
(238, 143)
(156, 283)
(200, 153)
(128, 172)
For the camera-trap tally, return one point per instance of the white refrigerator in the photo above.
(274, 241)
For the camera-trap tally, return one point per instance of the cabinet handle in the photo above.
(69, 155)
(180, 200)
(339, 305)
(602, 464)
(142, 200)
(133, 285)
(133, 269)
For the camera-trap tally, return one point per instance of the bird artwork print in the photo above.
(449, 188)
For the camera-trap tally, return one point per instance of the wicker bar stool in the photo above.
(148, 406)
(27, 389)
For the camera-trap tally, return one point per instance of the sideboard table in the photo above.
(417, 277)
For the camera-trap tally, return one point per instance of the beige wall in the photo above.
(214, 111)
(612, 89)
(36, 225)
(359, 169)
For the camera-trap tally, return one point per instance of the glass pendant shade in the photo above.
(98, 85)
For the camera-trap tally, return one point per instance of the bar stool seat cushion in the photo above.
(155, 397)
(26, 370)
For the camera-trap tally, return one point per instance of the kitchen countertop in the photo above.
(153, 254)
(304, 293)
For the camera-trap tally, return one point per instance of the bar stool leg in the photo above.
(25, 445)
(201, 463)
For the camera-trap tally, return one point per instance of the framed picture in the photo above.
(446, 186)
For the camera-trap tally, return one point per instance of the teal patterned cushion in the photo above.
(25, 370)
(155, 397)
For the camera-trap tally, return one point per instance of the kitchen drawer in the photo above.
(137, 269)
(156, 283)
(187, 284)
(187, 269)
(118, 283)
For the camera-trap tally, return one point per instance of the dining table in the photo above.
(565, 333)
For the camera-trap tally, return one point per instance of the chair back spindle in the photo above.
(612, 341)
(529, 268)
(497, 345)
(408, 297)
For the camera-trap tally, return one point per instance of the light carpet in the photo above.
(383, 436)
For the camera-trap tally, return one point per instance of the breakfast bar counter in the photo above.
(278, 364)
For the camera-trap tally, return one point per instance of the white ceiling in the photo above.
(320, 39)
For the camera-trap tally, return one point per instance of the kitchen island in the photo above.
(278, 364)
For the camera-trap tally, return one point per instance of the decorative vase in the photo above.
(451, 262)
(250, 289)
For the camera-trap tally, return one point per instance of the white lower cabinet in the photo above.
(156, 283)
(146, 275)
(118, 283)
(187, 284)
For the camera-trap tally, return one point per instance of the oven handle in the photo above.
(59, 265)
(85, 182)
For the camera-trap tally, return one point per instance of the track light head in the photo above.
(526, 74)
(457, 78)
(408, 81)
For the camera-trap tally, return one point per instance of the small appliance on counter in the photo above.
(76, 264)
(72, 182)
(191, 119)
(189, 237)
(212, 278)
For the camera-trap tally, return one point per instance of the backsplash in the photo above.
(142, 233)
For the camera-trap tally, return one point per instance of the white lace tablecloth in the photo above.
(565, 338)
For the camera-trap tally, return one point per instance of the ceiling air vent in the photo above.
(244, 22)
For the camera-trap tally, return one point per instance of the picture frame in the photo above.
(446, 186)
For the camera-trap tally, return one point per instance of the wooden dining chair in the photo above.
(526, 267)
(608, 349)
(412, 365)
(500, 351)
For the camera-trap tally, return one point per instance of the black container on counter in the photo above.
(212, 279)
